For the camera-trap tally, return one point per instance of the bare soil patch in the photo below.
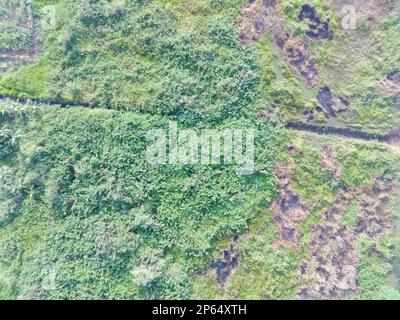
(393, 137)
(258, 17)
(319, 30)
(329, 162)
(288, 209)
(330, 104)
(375, 220)
(390, 85)
(254, 21)
(14, 57)
(295, 51)
(332, 266)
(228, 264)
(369, 10)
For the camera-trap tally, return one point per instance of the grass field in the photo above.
(84, 215)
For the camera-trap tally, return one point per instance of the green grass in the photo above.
(85, 201)
(79, 201)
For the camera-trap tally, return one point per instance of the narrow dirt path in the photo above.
(254, 23)
(392, 138)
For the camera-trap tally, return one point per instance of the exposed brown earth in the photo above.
(299, 59)
(12, 58)
(332, 266)
(329, 162)
(330, 104)
(393, 137)
(255, 20)
(258, 17)
(369, 10)
(295, 51)
(319, 30)
(288, 209)
(372, 10)
(375, 204)
(228, 264)
(391, 84)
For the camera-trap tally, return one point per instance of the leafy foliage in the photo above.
(111, 224)
(83, 215)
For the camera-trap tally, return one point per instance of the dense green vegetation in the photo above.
(182, 58)
(84, 215)
(145, 56)
(77, 187)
